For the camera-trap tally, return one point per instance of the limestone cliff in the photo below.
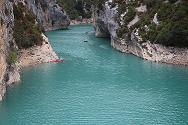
(109, 20)
(104, 21)
(6, 42)
(49, 15)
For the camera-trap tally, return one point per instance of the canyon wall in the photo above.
(106, 24)
(8, 73)
(49, 14)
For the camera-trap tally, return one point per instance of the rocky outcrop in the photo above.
(152, 52)
(104, 23)
(36, 55)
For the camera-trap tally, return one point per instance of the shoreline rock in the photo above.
(13, 75)
(83, 21)
(36, 55)
(2, 91)
(153, 52)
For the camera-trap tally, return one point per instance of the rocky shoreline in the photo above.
(28, 57)
(36, 55)
(153, 52)
(83, 21)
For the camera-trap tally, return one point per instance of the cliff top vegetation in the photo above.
(164, 22)
(27, 32)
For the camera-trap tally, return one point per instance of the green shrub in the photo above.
(121, 31)
(165, 11)
(130, 14)
(173, 28)
(12, 57)
(145, 20)
(174, 34)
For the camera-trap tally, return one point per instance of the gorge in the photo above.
(96, 84)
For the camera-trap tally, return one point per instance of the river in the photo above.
(96, 85)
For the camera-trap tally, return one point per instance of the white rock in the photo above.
(142, 8)
(134, 21)
(155, 20)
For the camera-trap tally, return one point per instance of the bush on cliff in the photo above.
(121, 31)
(12, 57)
(27, 32)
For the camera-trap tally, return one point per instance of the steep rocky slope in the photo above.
(48, 15)
(131, 30)
(6, 42)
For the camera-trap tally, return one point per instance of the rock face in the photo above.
(104, 23)
(49, 15)
(152, 52)
(8, 73)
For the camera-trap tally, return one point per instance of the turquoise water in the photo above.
(96, 85)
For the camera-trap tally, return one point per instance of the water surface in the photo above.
(96, 85)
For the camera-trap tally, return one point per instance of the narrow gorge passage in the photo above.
(96, 85)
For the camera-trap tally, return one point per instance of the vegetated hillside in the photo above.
(27, 31)
(159, 21)
(76, 8)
